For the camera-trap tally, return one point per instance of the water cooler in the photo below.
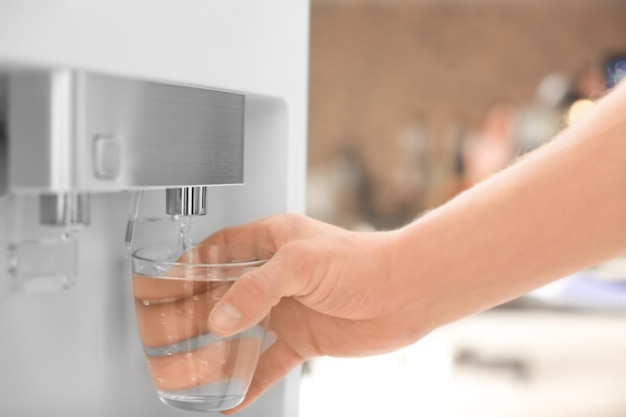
(200, 103)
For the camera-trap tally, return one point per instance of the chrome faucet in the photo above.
(185, 201)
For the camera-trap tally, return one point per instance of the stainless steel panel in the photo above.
(39, 115)
(168, 135)
(4, 169)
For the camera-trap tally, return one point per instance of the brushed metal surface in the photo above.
(169, 135)
(3, 139)
(64, 209)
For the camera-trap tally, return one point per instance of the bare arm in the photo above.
(558, 210)
(335, 292)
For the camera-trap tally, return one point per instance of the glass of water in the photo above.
(192, 368)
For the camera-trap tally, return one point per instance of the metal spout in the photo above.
(185, 201)
(66, 209)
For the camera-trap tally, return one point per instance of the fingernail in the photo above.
(225, 317)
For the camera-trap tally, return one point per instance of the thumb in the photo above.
(251, 297)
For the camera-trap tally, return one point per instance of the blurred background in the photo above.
(413, 101)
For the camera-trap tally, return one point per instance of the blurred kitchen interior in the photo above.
(413, 101)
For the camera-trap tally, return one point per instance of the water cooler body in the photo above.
(98, 100)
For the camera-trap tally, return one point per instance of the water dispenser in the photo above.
(197, 110)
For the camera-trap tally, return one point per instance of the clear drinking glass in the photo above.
(192, 368)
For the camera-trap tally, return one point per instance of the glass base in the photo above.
(205, 403)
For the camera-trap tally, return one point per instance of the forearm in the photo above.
(558, 210)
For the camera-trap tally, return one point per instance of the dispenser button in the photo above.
(107, 153)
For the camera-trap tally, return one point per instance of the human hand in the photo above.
(333, 292)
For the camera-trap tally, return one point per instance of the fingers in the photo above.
(249, 300)
(226, 253)
(253, 295)
(272, 232)
(256, 233)
(286, 274)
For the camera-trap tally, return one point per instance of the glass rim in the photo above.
(221, 265)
